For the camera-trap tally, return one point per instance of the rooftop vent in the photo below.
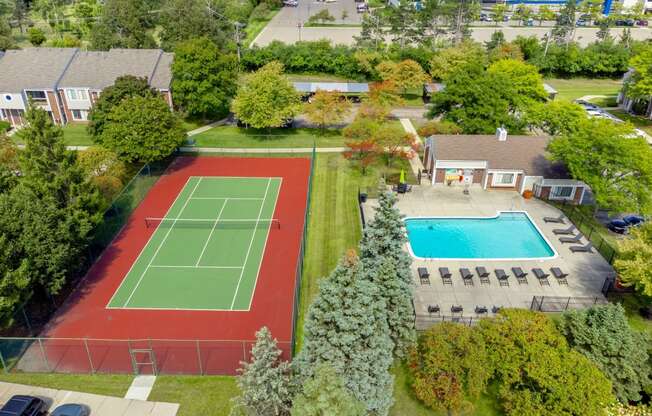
(501, 134)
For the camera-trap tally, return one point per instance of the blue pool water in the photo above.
(510, 235)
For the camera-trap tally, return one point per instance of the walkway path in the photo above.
(415, 162)
(140, 387)
(99, 405)
(206, 127)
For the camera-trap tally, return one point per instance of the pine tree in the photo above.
(265, 381)
(387, 266)
(346, 328)
(325, 395)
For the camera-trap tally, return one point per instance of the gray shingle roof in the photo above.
(526, 153)
(98, 70)
(33, 68)
(163, 73)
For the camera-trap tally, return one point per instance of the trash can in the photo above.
(363, 197)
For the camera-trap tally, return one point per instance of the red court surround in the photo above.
(84, 314)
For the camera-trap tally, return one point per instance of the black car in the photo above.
(622, 226)
(23, 406)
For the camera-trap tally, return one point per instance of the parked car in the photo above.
(625, 22)
(20, 405)
(71, 410)
(622, 226)
(362, 7)
(290, 3)
(484, 17)
(642, 22)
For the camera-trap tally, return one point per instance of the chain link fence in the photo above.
(110, 356)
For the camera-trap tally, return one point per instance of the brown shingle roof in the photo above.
(526, 153)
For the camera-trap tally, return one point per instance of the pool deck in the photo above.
(586, 271)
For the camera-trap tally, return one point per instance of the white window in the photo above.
(562, 192)
(77, 94)
(79, 114)
(504, 179)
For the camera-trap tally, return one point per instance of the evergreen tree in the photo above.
(372, 32)
(325, 395)
(346, 328)
(265, 382)
(402, 23)
(387, 266)
(604, 336)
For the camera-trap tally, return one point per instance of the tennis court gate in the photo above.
(110, 356)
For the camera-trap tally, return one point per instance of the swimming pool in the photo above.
(508, 235)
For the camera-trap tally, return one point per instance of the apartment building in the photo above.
(66, 82)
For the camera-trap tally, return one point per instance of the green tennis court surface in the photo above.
(206, 252)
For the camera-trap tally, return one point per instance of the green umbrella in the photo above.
(402, 177)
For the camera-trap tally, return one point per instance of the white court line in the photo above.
(166, 266)
(160, 245)
(203, 250)
(251, 242)
(260, 261)
(225, 197)
(142, 250)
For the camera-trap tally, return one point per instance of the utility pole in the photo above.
(238, 26)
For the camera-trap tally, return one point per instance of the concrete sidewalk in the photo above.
(99, 405)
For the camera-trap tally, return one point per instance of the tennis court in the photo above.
(206, 252)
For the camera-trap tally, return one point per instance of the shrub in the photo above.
(4, 126)
(449, 365)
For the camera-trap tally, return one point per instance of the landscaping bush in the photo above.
(4, 126)
(449, 366)
(536, 372)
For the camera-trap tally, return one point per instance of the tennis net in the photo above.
(152, 222)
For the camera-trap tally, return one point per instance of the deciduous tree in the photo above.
(327, 108)
(142, 129)
(104, 169)
(363, 152)
(557, 117)
(204, 78)
(265, 382)
(123, 24)
(126, 86)
(183, 20)
(536, 371)
(448, 60)
(612, 160)
(634, 260)
(449, 367)
(266, 98)
(405, 75)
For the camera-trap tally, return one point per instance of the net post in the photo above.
(45, 358)
(88, 353)
(201, 369)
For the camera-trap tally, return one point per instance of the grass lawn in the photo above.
(406, 404)
(76, 135)
(197, 395)
(632, 303)
(642, 123)
(574, 88)
(334, 224)
(232, 136)
(108, 385)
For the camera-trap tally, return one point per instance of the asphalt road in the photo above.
(287, 26)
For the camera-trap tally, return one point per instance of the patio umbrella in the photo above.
(402, 177)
